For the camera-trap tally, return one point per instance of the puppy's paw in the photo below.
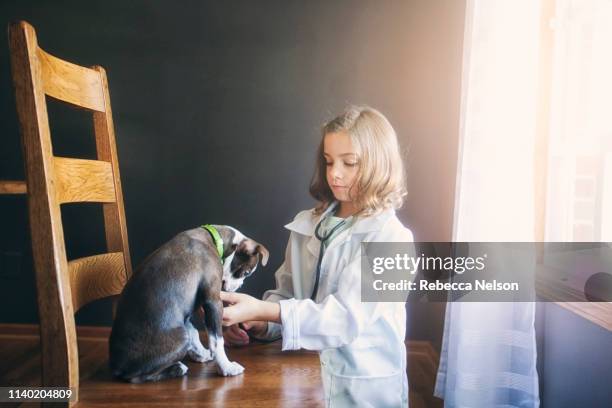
(200, 356)
(230, 369)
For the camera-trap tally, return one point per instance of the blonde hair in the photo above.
(380, 182)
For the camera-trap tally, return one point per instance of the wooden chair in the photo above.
(64, 286)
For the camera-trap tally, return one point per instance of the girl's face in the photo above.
(342, 165)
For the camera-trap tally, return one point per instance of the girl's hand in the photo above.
(243, 308)
(256, 328)
(235, 336)
(238, 334)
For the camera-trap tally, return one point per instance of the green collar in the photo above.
(216, 238)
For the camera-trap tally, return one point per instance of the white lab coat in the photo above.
(361, 345)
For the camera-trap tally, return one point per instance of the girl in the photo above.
(359, 182)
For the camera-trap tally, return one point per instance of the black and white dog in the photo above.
(152, 331)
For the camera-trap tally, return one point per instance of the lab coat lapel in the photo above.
(361, 226)
(306, 223)
(342, 237)
(313, 246)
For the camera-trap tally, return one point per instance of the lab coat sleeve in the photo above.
(334, 322)
(284, 290)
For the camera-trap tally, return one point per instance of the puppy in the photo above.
(152, 331)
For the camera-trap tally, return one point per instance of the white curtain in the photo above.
(488, 356)
(579, 201)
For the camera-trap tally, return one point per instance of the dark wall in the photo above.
(217, 108)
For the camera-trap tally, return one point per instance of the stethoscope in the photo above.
(323, 239)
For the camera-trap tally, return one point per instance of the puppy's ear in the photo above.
(250, 248)
(263, 254)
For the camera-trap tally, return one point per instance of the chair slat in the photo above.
(81, 180)
(13, 187)
(96, 277)
(71, 83)
(114, 214)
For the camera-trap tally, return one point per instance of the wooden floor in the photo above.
(271, 379)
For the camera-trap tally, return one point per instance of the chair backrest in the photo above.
(63, 286)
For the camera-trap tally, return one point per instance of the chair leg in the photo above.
(60, 364)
